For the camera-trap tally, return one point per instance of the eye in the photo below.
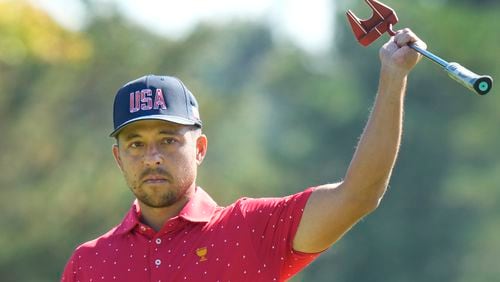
(136, 144)
(169, 140)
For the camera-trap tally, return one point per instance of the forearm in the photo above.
(375, 156)
(333, 208)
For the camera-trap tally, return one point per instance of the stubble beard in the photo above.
(165, 199)
(162, 197)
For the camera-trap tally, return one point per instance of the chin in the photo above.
(159, 204)
(155, 195)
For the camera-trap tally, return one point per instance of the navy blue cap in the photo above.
(154, 97)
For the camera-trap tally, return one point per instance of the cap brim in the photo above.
(174, 119)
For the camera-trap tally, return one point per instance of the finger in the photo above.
(403, 37)
(406, 36)
(391, 46)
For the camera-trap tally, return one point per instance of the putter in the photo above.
(382, 20)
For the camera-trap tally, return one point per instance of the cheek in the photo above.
(192, 159)
(185, 164)
(180, 164)
(131, 171)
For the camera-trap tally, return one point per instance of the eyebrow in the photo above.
(133, 135)
(170, 132)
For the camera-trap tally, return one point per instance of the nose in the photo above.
(153, 156)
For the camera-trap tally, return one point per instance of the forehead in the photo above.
(151, 127)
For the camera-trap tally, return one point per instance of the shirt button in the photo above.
(157, 262)
(158, 241)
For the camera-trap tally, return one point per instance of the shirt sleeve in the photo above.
(273, 223)
(69, 273)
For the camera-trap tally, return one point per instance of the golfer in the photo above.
(174, 231)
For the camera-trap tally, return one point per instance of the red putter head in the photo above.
(382, 20)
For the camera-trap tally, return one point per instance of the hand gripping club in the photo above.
(382, 20)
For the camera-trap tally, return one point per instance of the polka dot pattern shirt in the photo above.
(250, 240)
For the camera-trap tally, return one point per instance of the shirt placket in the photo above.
(160, 259)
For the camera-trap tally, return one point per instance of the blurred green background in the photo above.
(279, 119)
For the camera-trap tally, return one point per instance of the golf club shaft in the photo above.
(480, 84)
(429, 55)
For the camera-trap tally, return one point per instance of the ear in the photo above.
(201, 148)
(116, 154)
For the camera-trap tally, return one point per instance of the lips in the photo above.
(155, 179)
(155, 176)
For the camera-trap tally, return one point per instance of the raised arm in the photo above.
(333, 209)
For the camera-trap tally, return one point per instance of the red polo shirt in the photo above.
(250, 240)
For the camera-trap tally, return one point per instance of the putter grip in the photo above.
(481, 84)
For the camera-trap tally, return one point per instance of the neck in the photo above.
(156, 217)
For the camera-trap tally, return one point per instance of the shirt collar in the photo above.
(198, 209)
(130, 220)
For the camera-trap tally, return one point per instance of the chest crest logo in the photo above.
(202, 253)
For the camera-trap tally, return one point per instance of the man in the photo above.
(176, 232)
